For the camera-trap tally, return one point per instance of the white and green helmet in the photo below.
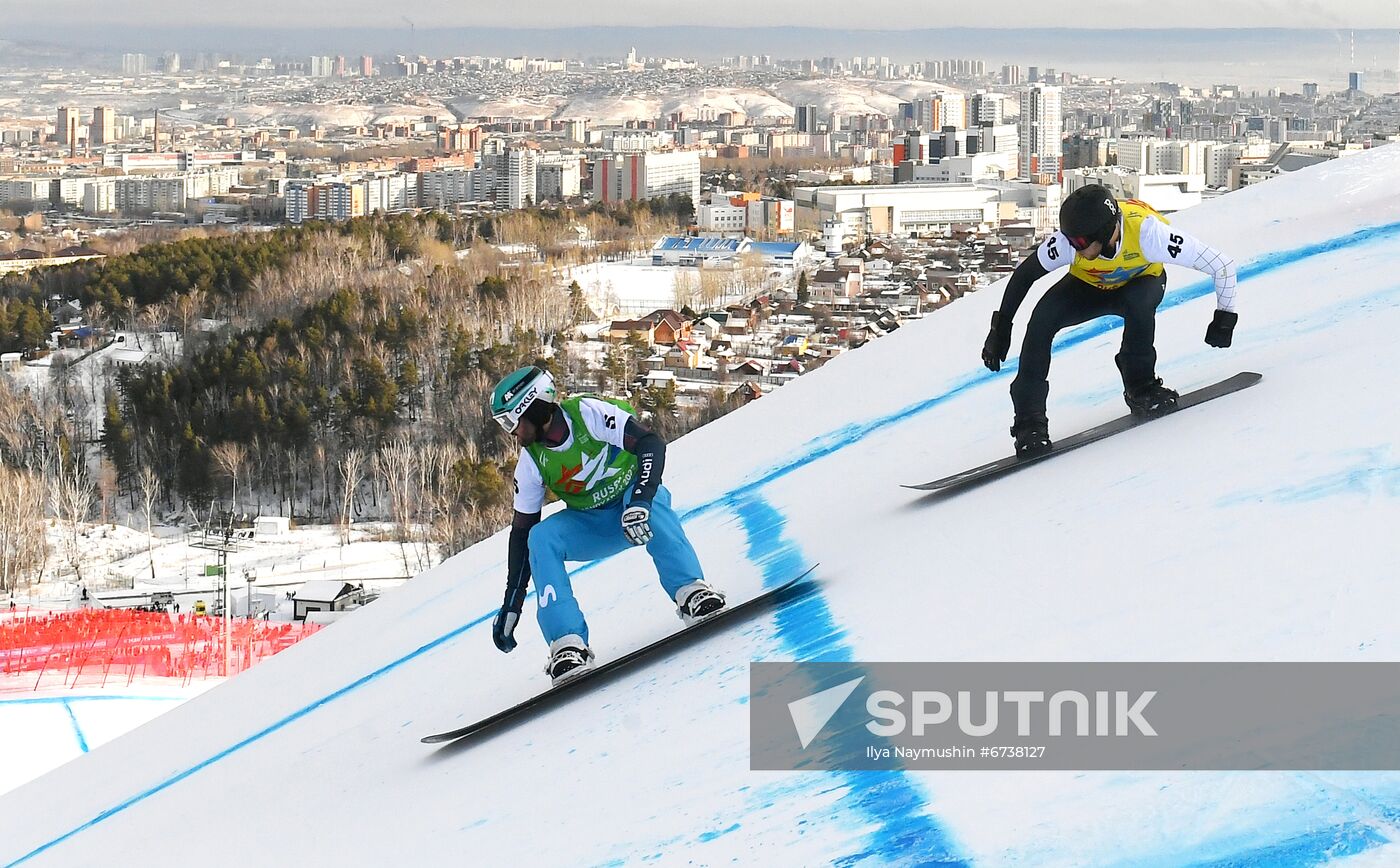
(517, 391)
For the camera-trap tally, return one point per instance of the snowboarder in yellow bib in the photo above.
(606, 468)
(1115, 252)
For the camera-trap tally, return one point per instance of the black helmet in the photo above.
(1089, 214)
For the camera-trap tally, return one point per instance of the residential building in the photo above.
(24, 189)
(517, 189)
(441, 187)
(662, 326)
(558, 176)
(335, 200)
(388, 192)
(1221, 158)
(623, 177)
(171, 192)
(102, 130)
(66, 130)
(575, 130)
(1040, 129)
(986, 108)
(100, 196)
(454, 138)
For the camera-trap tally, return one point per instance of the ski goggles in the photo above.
(1104, 237)
(508, 421)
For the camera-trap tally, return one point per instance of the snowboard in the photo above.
(599, 673)
(1012, 463)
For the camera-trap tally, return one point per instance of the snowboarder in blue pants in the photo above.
(606, 467)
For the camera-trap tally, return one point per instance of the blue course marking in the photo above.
(1315, 848)
(834, 441)
(77, 730)
(890, 800)
(294, 716)
(1371, 475)
(814, 450)
(66, 700)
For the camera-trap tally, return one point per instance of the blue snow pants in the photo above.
(592, 534)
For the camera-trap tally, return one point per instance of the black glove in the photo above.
(503, 629)
(998, 342)
(1222, 329)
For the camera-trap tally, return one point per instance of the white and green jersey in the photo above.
(590, 469)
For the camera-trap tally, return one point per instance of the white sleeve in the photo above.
(1162, 243)
(605, 422)
(529, 485)
(1055, 252)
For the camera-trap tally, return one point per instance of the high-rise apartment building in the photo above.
(1041, 128)
(455, 138)
(558, 176)
(806, 119)
(517, 189)
(102, 130)
(651, 175)
(986, 108)
(67, 127)
(133, 64)
(366, 66)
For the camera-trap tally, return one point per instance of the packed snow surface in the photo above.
(1257, 527)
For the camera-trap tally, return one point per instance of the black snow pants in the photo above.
(1072, 301)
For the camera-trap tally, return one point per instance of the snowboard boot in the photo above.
(1150, 400)
(696, 601)
(568, 656)
(1032, 433)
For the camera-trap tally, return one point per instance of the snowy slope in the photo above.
(1259, 527)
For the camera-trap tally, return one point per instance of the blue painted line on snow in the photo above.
(1315, 848)
(200, 766)
(77, 730)
(834, 441)
(814, 450)
(1369, 478)
(65, 700)
(889, 799)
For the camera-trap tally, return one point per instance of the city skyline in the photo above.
(429, 14)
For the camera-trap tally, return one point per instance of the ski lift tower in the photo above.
(223, 541)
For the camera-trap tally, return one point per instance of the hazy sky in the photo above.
(868, 14)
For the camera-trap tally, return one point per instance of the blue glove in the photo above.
(636, 523)
(503, 629)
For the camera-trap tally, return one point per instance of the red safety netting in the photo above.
(96, 644)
